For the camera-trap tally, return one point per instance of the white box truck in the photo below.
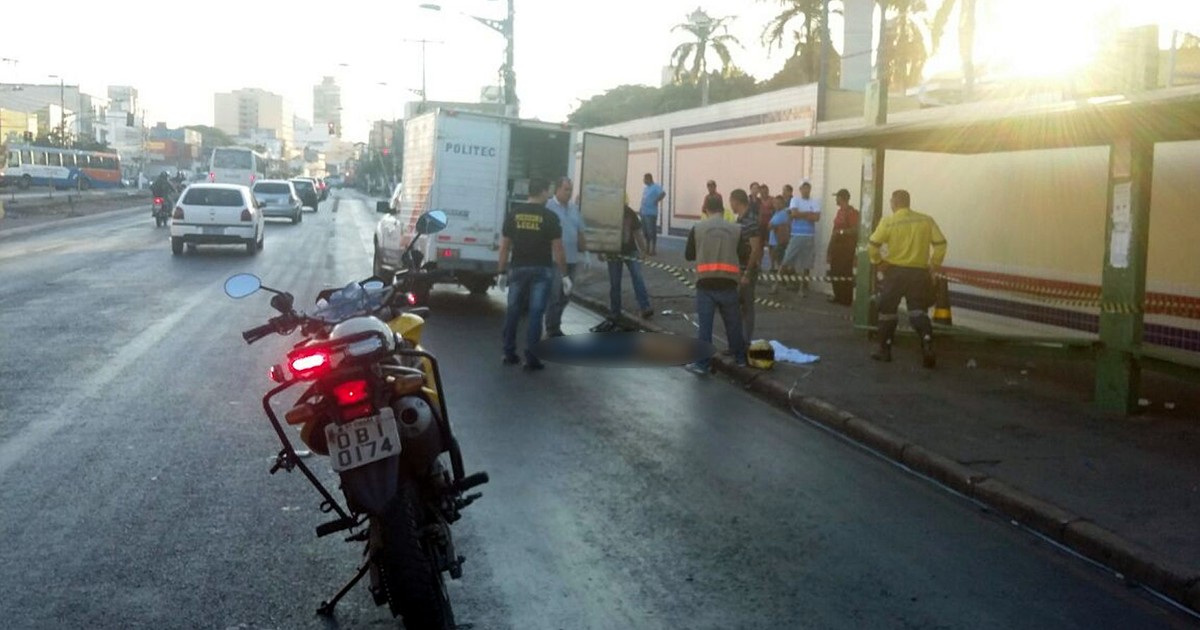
(473, 167)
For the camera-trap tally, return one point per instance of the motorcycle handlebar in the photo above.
(258, 332)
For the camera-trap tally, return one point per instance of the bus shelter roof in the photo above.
(1166, 115)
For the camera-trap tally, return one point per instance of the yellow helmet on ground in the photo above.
(761, 355)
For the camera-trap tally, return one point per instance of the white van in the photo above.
(236, 165)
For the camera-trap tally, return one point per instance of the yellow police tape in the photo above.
(1088, 299)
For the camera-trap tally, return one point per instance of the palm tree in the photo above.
(690, 59)
(808, 38)
(966, 37)
(907, 54)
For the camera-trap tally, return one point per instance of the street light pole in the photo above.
(508, 74)
(422, 42)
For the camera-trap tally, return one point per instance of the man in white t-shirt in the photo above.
(800, 254)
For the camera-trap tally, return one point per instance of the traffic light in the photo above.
(332, 128)
(129, 119)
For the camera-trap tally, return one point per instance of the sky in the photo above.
(566, 50)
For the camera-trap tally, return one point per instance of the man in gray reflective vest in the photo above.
(713, 245)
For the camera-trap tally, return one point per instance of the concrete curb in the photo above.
(1134, 562)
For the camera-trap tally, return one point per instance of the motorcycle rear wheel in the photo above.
(415, 587)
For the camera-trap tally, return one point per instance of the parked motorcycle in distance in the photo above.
(375, 405)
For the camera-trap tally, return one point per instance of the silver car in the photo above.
(279, 199)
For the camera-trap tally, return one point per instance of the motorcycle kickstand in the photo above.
(326, 609)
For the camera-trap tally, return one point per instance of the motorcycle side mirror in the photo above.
(432, 222)
(241, 285)
(283, 302)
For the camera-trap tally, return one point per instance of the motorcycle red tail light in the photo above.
(246, 216)
(351, 393)
(158, 200)
(178, 214)
(410, 298)
(306, 364)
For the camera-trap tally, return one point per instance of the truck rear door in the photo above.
(602, 173)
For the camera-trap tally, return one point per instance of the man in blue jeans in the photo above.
(632, 241)
(533, 236)
(713, 245)
(573, 244)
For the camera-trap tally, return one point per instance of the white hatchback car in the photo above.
(217, 214)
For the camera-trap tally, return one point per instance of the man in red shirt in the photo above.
(842, 244)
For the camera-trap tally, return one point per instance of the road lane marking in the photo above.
(41, 429)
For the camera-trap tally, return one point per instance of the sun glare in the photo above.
(1056, 40)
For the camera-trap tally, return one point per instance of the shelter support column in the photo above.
(1123, 285)
(870, 212)
(871, 203)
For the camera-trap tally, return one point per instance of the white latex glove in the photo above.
(502, 282)
(567, 285)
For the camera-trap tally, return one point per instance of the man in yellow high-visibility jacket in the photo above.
(908, 273)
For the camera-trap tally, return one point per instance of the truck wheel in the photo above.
(477, 285)
(377, 264)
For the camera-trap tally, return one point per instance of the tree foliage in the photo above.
(806, 40)
(630, 102)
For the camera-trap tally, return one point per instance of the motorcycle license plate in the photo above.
(212, 230)
(363, 441)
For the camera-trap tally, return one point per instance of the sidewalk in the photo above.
(1010, 427)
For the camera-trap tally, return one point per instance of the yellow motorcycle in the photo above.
(374, 404)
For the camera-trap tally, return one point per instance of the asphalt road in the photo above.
(135, 493)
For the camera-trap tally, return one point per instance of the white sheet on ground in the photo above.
(792, 355)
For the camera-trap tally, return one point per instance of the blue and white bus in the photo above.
(236, 165)
(27, 165)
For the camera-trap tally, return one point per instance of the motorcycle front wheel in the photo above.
(415, 588)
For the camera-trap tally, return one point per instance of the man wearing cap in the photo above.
(842, 244)
(907, 273)
(804, 212)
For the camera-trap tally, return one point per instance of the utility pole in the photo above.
(508, 74)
